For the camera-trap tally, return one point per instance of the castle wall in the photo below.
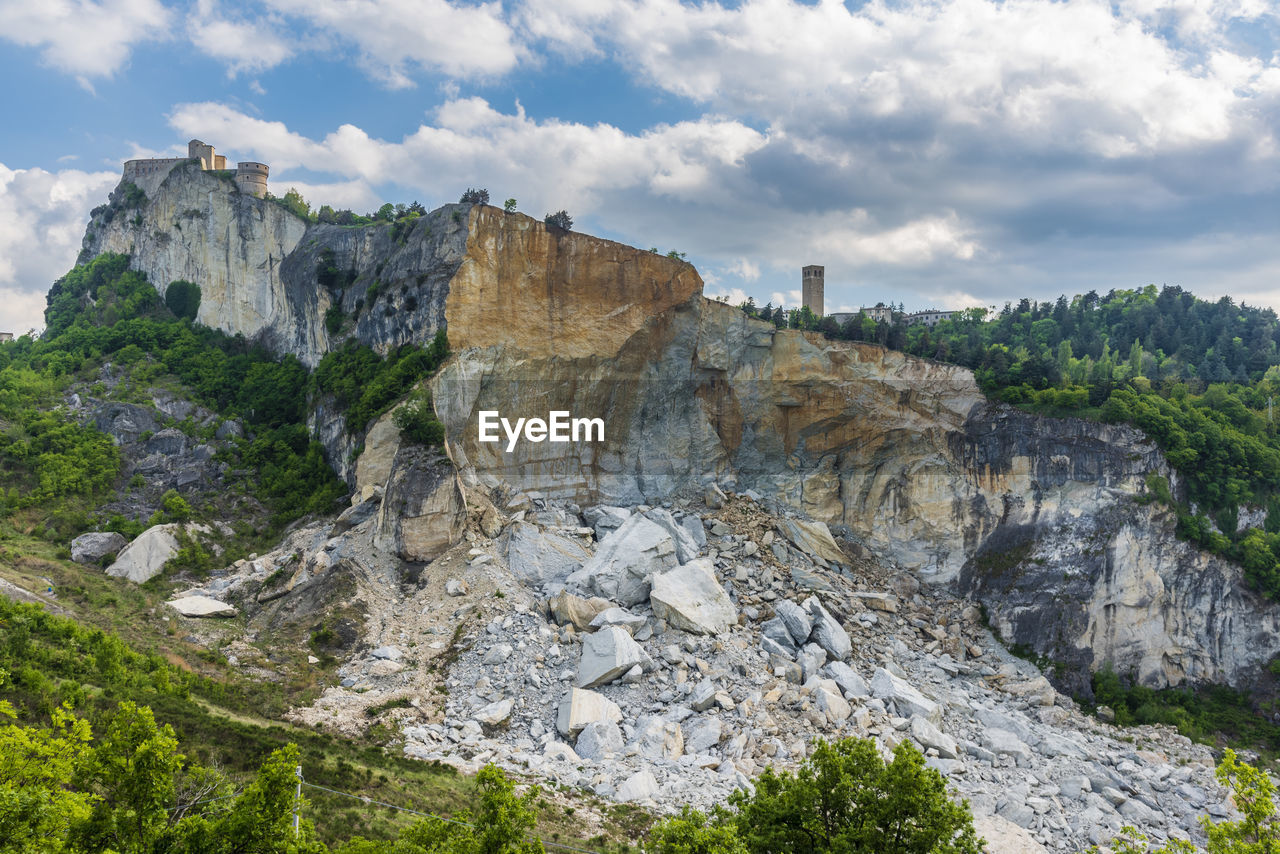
(149, 173)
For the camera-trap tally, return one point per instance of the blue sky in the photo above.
(939, 154)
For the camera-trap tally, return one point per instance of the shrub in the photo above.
(474, 197)
(559, 219)
(509, 206)
(844, 797)
(183, 299)
(417, 422)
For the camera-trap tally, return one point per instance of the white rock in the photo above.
(1003, 742)
(686, 543)
(814, 539)
(579, 708)
(625, 560)
(387, 653)
(906, 699)
(539, 557)
(145, 557)
(606, 655)
(927, 735)
(94, 546)
(455, 587)
(620, 617)
(599, 740)
(495, 714)
(202, 606)
(690, 598)
(497, 654)
(659, 738)
(811, 659)
(853, 685)
(831, 702)
(703, 735)
(640, 786)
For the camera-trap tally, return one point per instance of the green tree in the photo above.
(131, 773)
(692, 832)
(559, 219)
(845, 798)
(500, 824)
(37, 766)
(509, 206)
(183, 299)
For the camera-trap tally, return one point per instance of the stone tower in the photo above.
(812, 282)
(251, 178)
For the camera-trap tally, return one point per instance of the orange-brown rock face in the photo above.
(547, 292)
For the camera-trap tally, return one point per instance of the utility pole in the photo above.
(297, 800)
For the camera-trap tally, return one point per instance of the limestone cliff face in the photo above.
(1035, 517)
(197, 226)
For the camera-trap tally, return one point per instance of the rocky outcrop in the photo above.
(197, 226)
(902, 456)
(423, 510)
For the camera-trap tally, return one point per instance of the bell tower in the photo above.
(812, 283)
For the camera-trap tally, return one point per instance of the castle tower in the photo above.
(251, 178)
(812, 283)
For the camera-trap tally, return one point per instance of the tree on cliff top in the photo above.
(559, 219)
(474, 197)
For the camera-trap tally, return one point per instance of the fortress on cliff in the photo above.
(148, 173)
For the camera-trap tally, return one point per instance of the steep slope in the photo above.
(1034, 517)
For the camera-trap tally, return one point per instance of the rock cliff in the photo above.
(1034, 517)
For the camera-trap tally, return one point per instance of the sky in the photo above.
(936, 153)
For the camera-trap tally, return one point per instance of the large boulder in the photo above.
(827, 631)
(686, 543)
(604, 519)
(814, 539)
(539, 557)
(659, 738)
(928, 736)
(797, 620)
(568, 609)
(907, 701)
(640, 786)
(423, 510)
(94, 546)
(625, 561)
(606, 655)
(580, 707)
(145, 557)
(689, 598)
(599, 740)
(202, 606)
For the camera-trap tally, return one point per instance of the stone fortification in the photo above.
(149, 173)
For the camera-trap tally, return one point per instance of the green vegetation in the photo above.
(1210, 714)
(843, 798)
(57, 470)
(418, 423)
(365, 385)
(1199, 378)
(183, 299)
(559, 219)
(472, 196)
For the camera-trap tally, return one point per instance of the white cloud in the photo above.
(252, 45)
(82, 37)
(546, 165)
(1061, 75)
(395, 39)
(42, 220)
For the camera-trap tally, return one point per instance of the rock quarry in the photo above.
(780, 536)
